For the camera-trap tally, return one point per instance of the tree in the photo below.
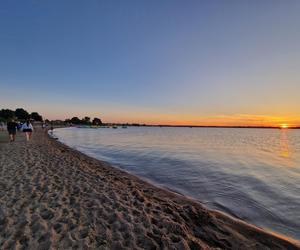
(7, 114)
(75, 120)
(36, 116)
(97, 121)
(21, 114)
(86, 120)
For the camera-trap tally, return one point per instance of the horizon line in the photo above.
(198, 126)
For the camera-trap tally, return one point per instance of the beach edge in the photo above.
(233, 222)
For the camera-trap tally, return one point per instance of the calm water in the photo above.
(253, 174)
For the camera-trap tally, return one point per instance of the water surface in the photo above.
(253, 174)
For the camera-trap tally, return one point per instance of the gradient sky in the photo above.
(172, 62)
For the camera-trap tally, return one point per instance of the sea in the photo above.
(249, 173)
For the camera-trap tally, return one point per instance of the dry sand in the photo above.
(53, 197)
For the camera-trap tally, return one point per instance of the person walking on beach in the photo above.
(27, 128)
(12, 129)
(51, 129)
(2, 126)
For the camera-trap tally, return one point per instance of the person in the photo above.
(12, 129)
(51, 129)
(2, 126)
(27, 128)
(19, 126)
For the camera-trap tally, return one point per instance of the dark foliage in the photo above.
(6, 114)
(75, 120)
(21, 114)
(97, 121)
(36, 116)
(86, 120)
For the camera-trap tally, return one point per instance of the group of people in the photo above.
(26, 127)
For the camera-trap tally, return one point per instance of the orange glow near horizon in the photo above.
(194, 120)
(284, 126)
(116, 114)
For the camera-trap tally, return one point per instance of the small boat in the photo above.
(114, 127)
(124, 126)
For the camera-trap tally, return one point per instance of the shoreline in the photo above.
(78, 201)
(175, 193)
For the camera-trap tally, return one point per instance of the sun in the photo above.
(284, 126)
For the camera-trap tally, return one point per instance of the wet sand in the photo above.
(53, 197)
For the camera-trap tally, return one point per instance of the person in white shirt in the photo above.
(27, 128)
(2, 126)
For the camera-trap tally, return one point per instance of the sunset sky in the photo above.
(156, 62)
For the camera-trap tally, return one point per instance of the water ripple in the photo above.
(252, 174)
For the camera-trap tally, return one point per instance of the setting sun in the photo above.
(284, 126)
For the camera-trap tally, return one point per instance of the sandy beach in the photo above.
(54, 197)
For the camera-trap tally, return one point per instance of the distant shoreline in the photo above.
(188, 126)
(198, 126)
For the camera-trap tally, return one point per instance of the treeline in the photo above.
(84, 121)
(22, 115)
(19, 114)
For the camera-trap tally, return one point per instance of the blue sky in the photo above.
(151, 61)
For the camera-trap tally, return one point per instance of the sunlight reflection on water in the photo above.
(284, 144)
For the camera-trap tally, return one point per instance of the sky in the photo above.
(155, 62)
